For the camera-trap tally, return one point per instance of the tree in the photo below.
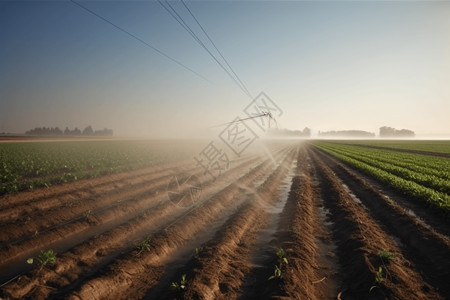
(392, 132)
(88, 131)
(55, 131)
(306, 132)
(76, 131)
(387, 131)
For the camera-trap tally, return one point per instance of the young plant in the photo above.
(145, 244)
(88, 213)
(261, 188)
(379, 275)
(390, 201)
(179, 286)
(386, 255)
(282, 259)
(44, 258)
(295, 230)
(276, 273)
(282, 256)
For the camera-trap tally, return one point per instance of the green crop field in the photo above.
(25, 166)
(424, 177)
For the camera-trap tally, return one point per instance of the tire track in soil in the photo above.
(218, 270)
(427, 249)
(129, 277)
(167, 208)
(359, 240)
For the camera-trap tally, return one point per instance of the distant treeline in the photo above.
(306, 132)
(392, 132)
(55, 131)
(347, 133)
(385, 132)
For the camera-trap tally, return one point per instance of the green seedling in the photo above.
(379, 275)
(386, 255)
(295, 230)
(282, 256)
(197, 251)
(276, 273)
(261, 188)
(88, 213)
(145, 244)
(179, 286)
(390, 201)
(378, 279)
(44, 258)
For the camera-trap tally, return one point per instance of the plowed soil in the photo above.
(330, 221)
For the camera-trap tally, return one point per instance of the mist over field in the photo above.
(131, 67)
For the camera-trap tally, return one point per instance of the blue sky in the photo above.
(328, 65)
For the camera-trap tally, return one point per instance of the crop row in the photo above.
(431, 165)
(442, 146)
(433, 189)
(25, 166)
(433, 176)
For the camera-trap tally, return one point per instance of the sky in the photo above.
(328, 65)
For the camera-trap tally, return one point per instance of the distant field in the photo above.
(25, 166)
(423, 176)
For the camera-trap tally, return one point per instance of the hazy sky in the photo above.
(328, 65)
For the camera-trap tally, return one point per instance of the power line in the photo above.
(218, 51)
(139, 39)
(170, 9)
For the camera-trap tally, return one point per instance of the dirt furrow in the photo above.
(427, 249)
(41, 221)
(103, 248)
(164, 212)
(131, 275)
(52, 204)
(222, 263)
(124, 206)
(59, 191)
(117, 207)
(136, 191)
(359, 240)
(310, 273)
